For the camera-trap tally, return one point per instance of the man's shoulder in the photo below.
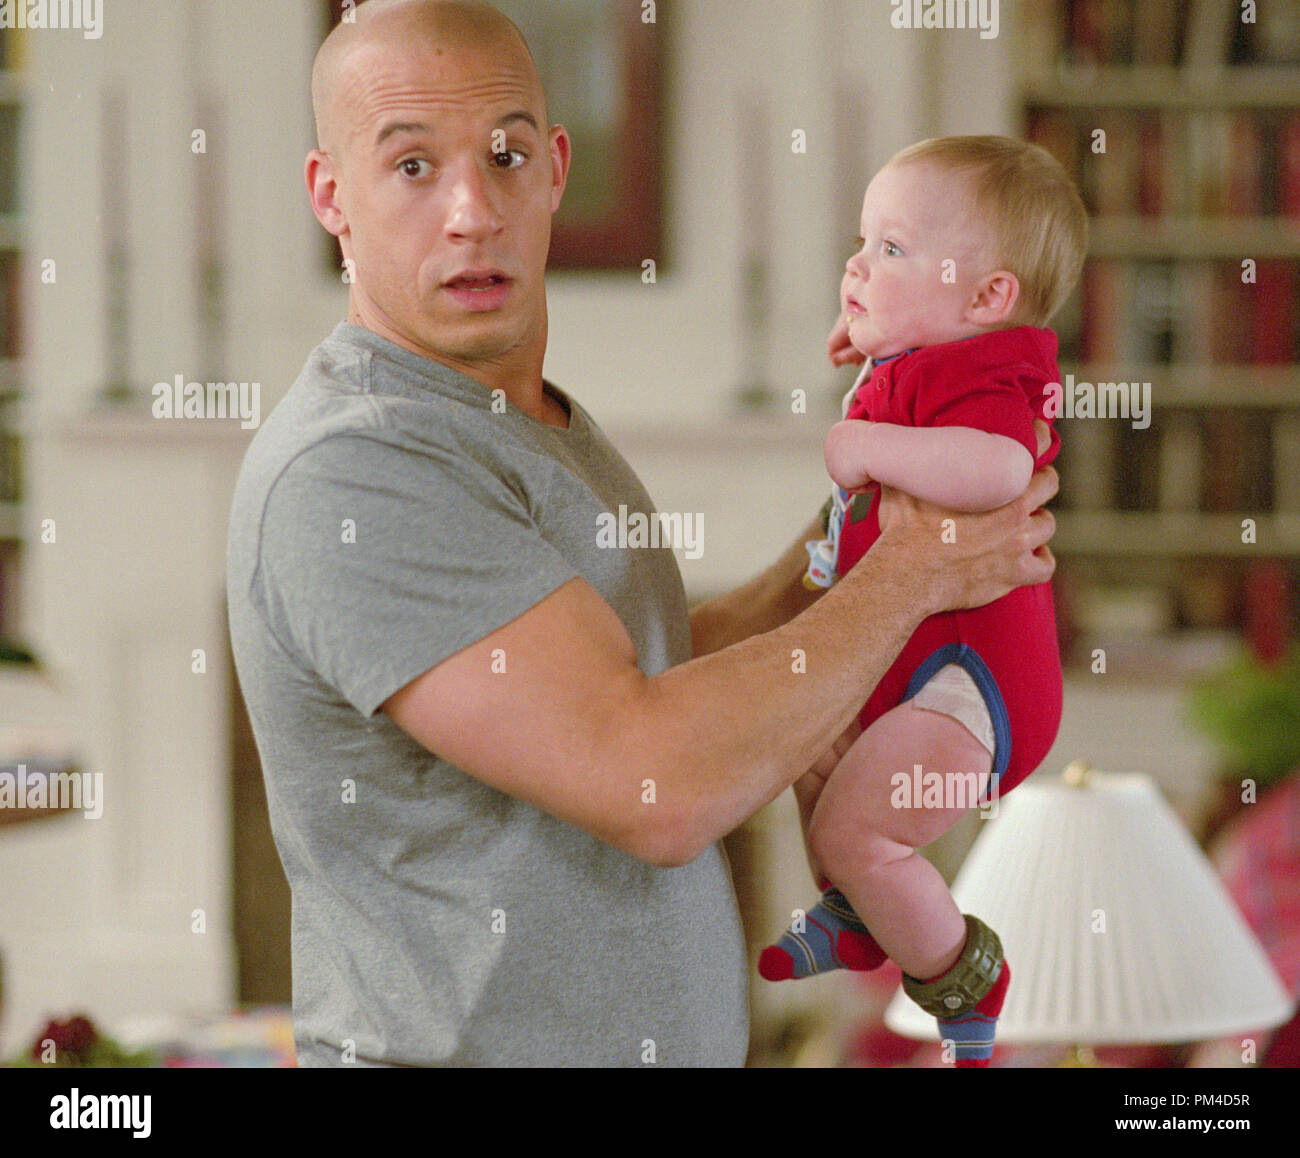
(327, 399)
(348, 400)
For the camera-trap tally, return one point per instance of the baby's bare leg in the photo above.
(871, 818)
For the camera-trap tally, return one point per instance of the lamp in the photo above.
(1116, 928)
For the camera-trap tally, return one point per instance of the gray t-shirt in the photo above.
(386, 518)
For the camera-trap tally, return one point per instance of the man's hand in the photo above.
(973, 559)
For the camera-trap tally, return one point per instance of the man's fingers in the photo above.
(1040, 566)
(1042, 489)
(1044, 434)
(1042, 526)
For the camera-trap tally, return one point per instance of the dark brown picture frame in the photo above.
(626, 228)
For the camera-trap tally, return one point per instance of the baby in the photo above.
(969, 245)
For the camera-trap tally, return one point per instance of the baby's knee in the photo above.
(844, 845)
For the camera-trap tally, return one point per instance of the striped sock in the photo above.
(834, 937)
(972, 1034)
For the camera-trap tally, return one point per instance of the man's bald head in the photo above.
(385, 24)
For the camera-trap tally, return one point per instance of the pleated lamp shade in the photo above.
(1114, 924)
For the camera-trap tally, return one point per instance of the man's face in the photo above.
(898, 291)
(448, 183)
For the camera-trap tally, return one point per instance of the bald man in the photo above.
(500, 759)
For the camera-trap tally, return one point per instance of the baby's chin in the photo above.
(876, 346)
(879, 349)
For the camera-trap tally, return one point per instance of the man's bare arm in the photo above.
(765, 602)
(664, 766)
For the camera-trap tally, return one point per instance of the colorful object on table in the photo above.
(1258, 857)
(258, 1037)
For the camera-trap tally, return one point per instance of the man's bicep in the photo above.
(540, 710)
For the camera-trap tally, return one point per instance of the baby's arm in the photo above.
(956, 467)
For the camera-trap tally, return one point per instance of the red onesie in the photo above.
(994, 382)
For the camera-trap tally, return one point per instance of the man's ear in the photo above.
(321, 174)
(995, 299)
(561, 154)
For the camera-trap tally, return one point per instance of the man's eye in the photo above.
(508, 158)
(411, 167)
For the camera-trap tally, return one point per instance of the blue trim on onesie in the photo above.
(967, 658)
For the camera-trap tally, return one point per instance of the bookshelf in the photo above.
(1180, 120)
(11, 240)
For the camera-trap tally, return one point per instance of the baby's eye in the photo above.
(891, 250)
(858, 243)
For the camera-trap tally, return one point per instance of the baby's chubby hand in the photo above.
(839, 348)
(846, 455)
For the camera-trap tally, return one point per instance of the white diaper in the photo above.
(952, 691)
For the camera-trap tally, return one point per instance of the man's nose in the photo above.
(473, 213)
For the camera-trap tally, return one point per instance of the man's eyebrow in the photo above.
(401, 127)
(520, 115)
(421, 127)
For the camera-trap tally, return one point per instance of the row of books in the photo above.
(11, 463)
(1193, 164)
(1134, 614)
(10, 301)
(1142, 313)
(1218, 461)
(1188, 33)
(9, 553)
(10, 127)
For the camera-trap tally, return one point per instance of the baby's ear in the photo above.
(995, 299)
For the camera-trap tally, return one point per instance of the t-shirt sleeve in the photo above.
(377, 562)
(997, 403)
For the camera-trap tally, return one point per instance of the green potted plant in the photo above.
(78, 1044)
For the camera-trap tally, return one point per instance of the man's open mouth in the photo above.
(477, 282)
(480, 290)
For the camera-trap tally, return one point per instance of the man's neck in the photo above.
(518, 376)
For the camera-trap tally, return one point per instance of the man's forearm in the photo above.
(764, 603)
(744, 722)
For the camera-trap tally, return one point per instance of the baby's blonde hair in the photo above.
(1041, 232)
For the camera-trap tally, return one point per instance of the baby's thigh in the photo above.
(907, 779)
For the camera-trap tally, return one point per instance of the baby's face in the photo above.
(922, 258)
